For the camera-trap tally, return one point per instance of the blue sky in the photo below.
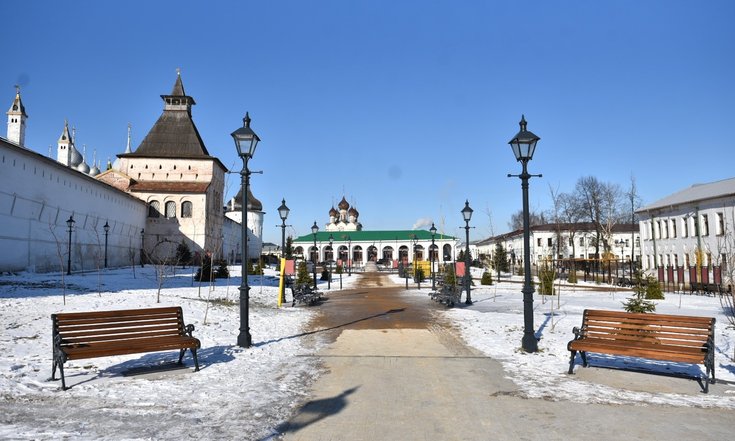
(405, 107)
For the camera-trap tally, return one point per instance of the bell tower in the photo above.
(17, 120)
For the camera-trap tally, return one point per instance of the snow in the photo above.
(494, 325)
(246, 393)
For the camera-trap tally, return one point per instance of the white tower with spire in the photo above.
(64, 146)
(17, 120)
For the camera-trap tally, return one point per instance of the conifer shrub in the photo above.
(487, 278)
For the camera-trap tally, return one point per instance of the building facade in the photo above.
(565, 241)
(167, 191)
(355, 247)
(692, 228)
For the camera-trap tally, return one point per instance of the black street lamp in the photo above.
(283, 213)
(524, 145)
(431, 256)
(349, 256)
(467, 215)
(329, 262)
(416, 275)
(245, 141)
(106, 227)
(70, 224)
(315, 253)
(142, 247)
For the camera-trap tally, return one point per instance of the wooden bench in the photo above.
(675, 338)
(79, 335)
(305, 294)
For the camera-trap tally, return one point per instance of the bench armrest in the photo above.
(577, 333)
(189, 329)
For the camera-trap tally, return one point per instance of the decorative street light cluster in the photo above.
(524, 145)
(245, 141)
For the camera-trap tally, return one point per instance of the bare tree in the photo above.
(534, 218)
(634, 200)
(60, 255)
(162, 259)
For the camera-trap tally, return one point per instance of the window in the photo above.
(170, 209)
(186, 209)
(538, 242)
(705, 225)
(154, 209)
(571, 242)
(684, 227)
(581, 241)
(673, 228)
(720, 224)
(657, 233)
(549, 242)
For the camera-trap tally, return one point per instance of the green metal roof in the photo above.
(371, 236)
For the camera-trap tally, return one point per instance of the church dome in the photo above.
(353, 212)
(253, 203)
(333, 213)
(76, 158)
(83, 167)
(343, 204)
(94, 171)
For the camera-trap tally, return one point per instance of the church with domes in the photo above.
(344, 219)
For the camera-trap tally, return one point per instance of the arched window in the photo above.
(343, 253)
(433, 253)
(170, 209)
(447, 251)
(388, 253)
(418, 252)
(372, 253)
(357, 253)
(154, 209)
(314, 254)
(186, 209)
(299, 251)
(328, 253)
(403, 253)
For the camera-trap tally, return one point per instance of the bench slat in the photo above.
(174, 325)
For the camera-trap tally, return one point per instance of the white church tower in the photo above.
(64, 146)
(17, 120)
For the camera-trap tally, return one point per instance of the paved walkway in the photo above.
(397, 374)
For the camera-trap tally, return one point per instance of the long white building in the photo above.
(692, 228)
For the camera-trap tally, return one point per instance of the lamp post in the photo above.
(70, 224)
(329, 262)
(106, 227)
(142, 247)
(467, 215)
(416, 275)
(349, 256)
(523, 146)
(431, 256)
(283, 213)
(315, 254)
(245, 141)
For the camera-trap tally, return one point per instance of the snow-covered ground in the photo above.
(494, 325)
(246, 393)
(238, 393)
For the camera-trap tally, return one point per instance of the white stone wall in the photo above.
(38, 195)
